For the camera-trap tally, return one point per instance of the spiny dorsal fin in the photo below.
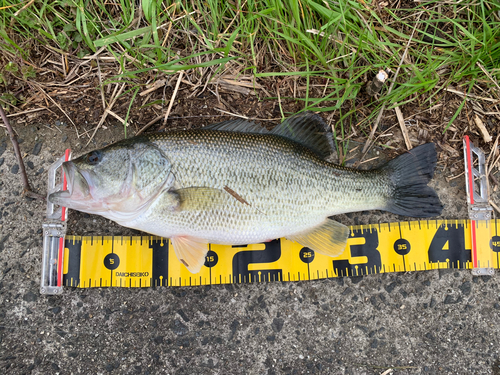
(240, 125)
(310, 130)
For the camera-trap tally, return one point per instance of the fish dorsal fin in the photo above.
(310, 130)
(239, 125)
(190, 251)
(330, 238)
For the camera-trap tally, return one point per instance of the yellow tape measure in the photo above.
(378, 248)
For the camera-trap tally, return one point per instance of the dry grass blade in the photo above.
(404, 130)
(488, 75)
(117, 117)
(172, 99)
(105, 114)
(28, 111)
(57, 105)
(470, 96)
(231, 114)
(492, 204)
(375, 126)
(484, 132)
(155, 86)
(145, 127)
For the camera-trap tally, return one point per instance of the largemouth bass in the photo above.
(236, 183)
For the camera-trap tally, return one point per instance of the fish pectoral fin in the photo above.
(200, 198)
(330, 238)
(206, 199)
(190, 251)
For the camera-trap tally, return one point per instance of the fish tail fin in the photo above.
(410, 173)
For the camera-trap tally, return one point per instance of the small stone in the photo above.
(433, 302)
(356, 279)
(1, 161)
(465, 288)
(449, 300)
(277, 324)
(158, 340)
(3, 147)
(183, 315)
(58, 123)
(37, 148)
(14, 169)
(56, 310)
(30, 297)
(389, 288)
(30, 164)
(178, 328)
(64, 138)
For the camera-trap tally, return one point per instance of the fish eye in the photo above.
(94, 157)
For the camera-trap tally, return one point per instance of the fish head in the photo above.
(118, 181)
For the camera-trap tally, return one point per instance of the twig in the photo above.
(17, 151)
(375, 126)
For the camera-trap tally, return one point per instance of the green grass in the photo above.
(269, 39)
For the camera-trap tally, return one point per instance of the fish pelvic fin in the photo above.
(329, 238)
(190, 251)
(409, 174)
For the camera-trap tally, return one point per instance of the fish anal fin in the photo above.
(190, 251)
(329, 238)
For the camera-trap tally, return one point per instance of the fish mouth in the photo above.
(77, 196)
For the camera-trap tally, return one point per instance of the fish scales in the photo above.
(287, 186)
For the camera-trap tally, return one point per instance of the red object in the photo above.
(63, 218)
(471, 198)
